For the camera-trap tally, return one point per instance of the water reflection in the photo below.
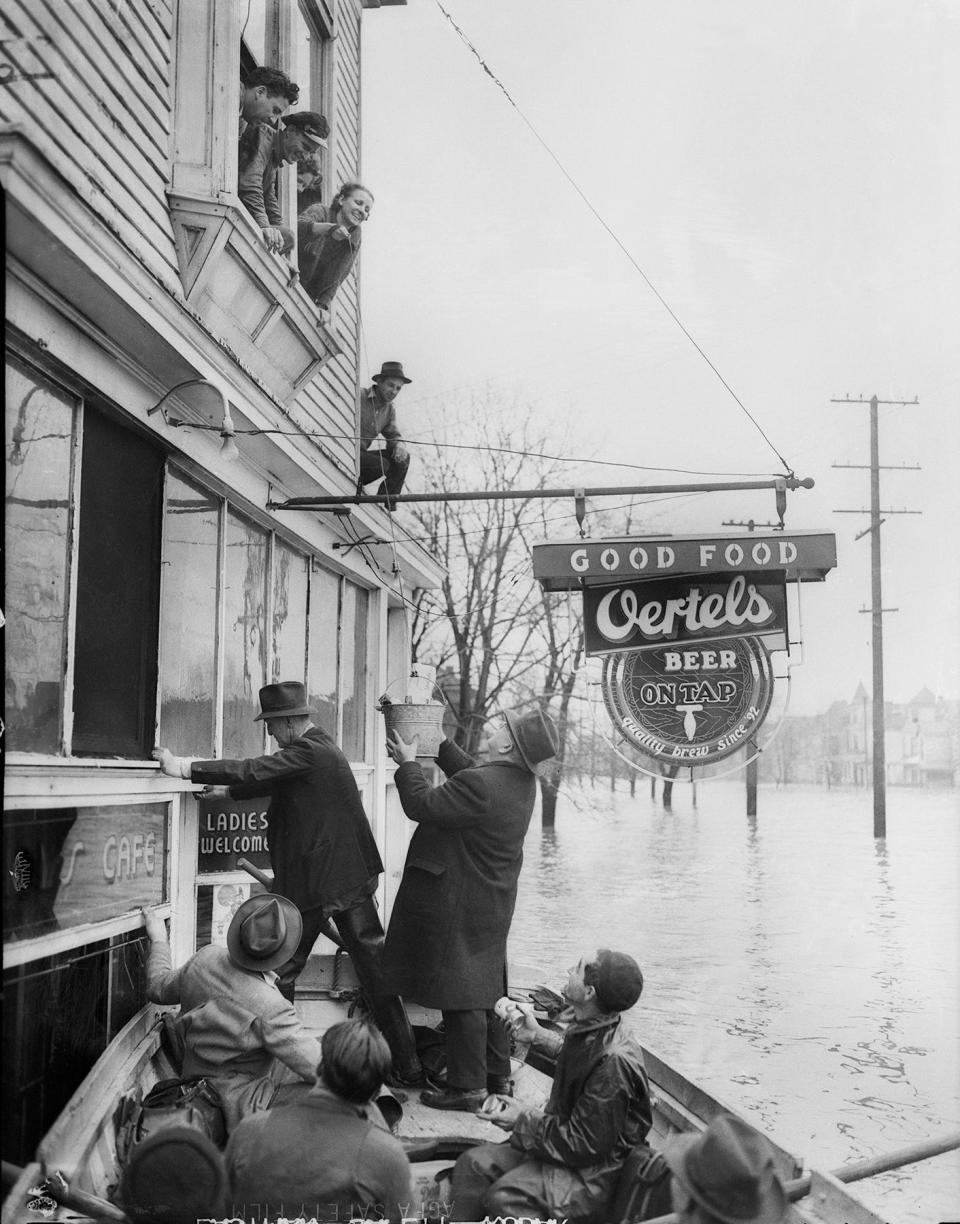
(795, 967)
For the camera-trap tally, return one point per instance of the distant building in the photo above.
(921, 744)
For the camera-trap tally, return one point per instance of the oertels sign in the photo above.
(631, 615)
(689, 706)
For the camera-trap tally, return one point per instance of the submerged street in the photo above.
(800, 972)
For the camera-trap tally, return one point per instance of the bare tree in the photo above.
(482, 625)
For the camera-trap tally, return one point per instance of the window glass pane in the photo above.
(289, 614)
(306, 61)
(39, 443)
(253, 14)
(322, 672)
(59, 1015)
(188, 619)
(354, 670)
(245, 648)
(65, 866)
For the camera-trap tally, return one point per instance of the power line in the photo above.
(650, 285)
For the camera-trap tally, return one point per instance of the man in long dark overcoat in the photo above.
(322, 850)
(447, 939)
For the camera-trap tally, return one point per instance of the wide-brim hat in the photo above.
(284, 700)
(391, 369)
(535, 735)
(175, 1176)
(729, 1170)
(264, 932)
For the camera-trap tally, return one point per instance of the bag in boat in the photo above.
(193, 1102)
(643, 1188)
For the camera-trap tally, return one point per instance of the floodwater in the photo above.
(801, 972)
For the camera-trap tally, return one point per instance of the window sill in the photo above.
(248, 297)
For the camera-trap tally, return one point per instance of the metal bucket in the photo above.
(420, 720)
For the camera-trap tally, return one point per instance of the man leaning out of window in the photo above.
(262, 152)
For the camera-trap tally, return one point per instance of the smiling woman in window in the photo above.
(329, 237)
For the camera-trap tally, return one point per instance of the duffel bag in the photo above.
(192, 1102)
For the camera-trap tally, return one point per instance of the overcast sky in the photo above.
(786, 174)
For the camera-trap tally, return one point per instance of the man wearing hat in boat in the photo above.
(238, 1030)
(726, 1173)
(323, 853)
(447, 940)
(378, 419)
(566, 1160)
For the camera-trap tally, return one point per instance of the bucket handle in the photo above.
(437, 688)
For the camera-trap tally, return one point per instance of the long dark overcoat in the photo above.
(320, 841)
(447, 940)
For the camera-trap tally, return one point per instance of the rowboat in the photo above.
(77, 1166)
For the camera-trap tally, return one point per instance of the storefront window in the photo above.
(322, 669)
(290, 579)
(59, 1015)
(39, 446)
(72, 865)
(353, 670)
(245, 645)
(188, 619)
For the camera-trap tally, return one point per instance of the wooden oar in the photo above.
(58, 1190)
(267, 881)
(859, 1169)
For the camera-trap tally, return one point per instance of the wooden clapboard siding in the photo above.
(331, 400)
(103, 117)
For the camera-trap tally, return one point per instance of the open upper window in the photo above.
(246, 294)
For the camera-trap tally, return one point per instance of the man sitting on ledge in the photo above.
(564, 1162)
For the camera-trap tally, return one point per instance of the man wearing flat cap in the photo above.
(323, 853)
(378, 419)
(237, 1028)
(447, 940)
(263, 150)
(565, 1161)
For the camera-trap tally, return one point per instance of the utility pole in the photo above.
(753, 759)
(877, 609)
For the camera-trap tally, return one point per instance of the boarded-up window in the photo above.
(115, 672)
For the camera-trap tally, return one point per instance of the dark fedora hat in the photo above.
(264, 932)
(729, 1170)
(284, 700)
(535, 735)
(175, 1176)
(391, 369)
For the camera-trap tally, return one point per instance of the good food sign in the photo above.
(685, 625)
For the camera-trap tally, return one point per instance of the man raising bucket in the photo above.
(447, 940)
